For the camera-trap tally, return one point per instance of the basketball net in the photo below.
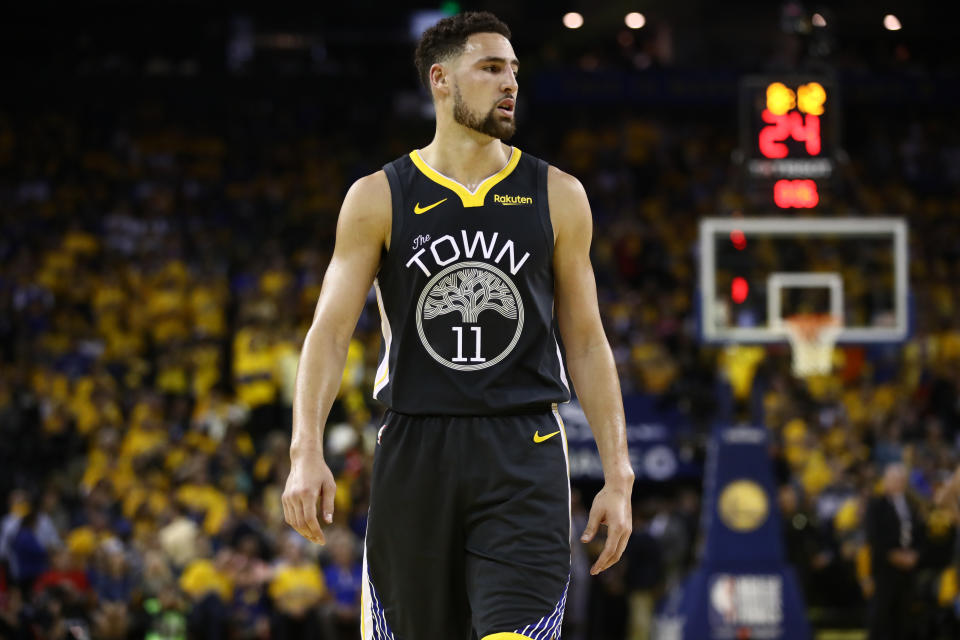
(812, 338)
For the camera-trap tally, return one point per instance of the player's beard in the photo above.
(492, 124)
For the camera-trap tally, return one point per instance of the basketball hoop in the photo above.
(812, 338)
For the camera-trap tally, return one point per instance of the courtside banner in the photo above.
(743, 587)
(655, 453)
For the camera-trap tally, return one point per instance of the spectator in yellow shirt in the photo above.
(299, 594)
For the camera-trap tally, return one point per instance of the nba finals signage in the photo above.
(743, 588)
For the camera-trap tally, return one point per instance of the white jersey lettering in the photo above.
(453, 243)
(514, 265)
(468, 249)
(416, 258)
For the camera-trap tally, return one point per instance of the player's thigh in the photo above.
(413, 562)
(518, 531)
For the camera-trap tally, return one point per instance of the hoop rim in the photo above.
(808, 326)
(818, 320)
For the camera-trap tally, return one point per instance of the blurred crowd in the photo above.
(159, 267)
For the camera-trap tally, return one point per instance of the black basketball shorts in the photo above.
(469, 529)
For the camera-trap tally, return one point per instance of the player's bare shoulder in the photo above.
(569, 207)
(366, 214)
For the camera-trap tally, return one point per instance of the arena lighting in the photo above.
(572, 20)
(818, 20)
(891, 23)
(635, 20)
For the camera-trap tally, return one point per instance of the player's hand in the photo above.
(611, 507)
(309, 484)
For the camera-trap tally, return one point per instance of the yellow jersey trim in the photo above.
(470, 199)
(505, 635)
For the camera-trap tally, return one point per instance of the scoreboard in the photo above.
(789, 127)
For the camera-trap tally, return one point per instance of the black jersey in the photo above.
(466, 293)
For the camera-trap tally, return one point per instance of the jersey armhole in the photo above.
(543, 205)
(396, 202)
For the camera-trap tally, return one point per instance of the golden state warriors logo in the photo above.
(469, 316)
(743, 505)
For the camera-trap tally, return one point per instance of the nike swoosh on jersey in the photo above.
(539, 438)
(417, 209)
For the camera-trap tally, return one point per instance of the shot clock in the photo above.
(788, 138)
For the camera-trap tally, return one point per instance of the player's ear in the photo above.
(439, 81)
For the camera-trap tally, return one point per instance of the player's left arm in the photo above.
(590, 362)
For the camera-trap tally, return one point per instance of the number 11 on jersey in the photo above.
(460, 358)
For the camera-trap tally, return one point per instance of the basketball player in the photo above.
(478, 253)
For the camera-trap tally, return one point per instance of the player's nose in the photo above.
(509, 82)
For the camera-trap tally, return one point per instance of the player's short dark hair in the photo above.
(449, 37)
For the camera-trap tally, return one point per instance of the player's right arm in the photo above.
(363, 230)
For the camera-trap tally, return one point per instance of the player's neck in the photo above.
(465, 155)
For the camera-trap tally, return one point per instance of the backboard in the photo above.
(754, 272)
